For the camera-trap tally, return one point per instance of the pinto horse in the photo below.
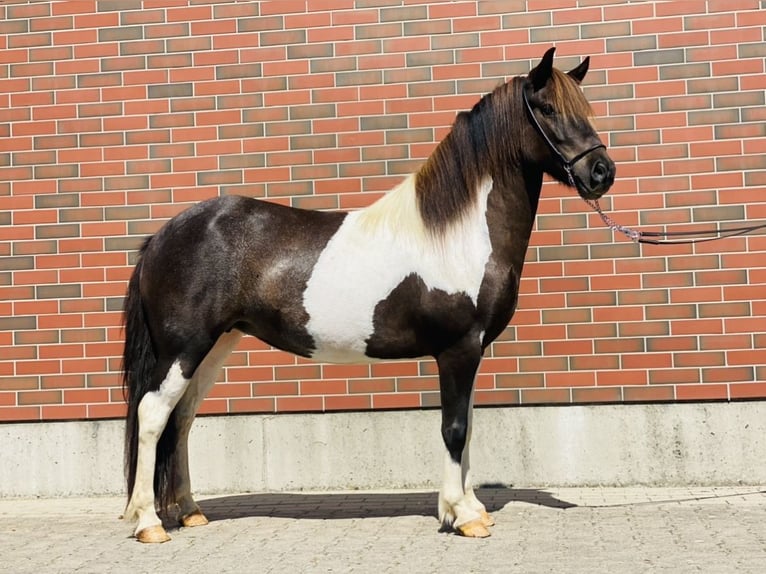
(430, 269)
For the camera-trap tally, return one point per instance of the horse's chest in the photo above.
(364, 282)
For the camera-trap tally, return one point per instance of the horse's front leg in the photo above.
(459, 509)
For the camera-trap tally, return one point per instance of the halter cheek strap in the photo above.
(567, 164)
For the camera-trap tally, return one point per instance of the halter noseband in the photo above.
(567, 164)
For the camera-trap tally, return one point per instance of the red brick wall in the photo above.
(113, 118)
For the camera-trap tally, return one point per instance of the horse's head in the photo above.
(566, 144)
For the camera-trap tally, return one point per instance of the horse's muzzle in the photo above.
(597, 177)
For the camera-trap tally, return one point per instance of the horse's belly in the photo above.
(328, 354)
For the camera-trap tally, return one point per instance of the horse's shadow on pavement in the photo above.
(334, 505)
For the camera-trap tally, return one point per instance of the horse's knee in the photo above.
(455, 435)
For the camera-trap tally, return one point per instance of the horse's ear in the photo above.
(543, 71)
(578, 74)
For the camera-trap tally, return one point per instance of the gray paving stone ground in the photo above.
(570, 530)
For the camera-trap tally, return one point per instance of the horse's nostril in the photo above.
(599, 172)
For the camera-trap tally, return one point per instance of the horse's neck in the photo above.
(533, 185)
(511, 212)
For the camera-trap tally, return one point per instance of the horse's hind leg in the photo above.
(204, 377)
(153, 413)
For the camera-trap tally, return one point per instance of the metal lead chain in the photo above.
(633, 234)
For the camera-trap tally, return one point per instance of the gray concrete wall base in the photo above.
(673, 444)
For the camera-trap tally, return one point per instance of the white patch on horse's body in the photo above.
(373, 251)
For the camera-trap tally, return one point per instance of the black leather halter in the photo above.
(567, 164)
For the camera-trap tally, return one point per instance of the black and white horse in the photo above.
(430, 269)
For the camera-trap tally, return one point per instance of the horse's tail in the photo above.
(139, 364)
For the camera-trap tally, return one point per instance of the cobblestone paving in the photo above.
(561, 530)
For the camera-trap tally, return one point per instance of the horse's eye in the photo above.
(547, 110)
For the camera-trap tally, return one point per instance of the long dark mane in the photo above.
(485, 141)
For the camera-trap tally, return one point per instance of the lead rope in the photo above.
(641, 236)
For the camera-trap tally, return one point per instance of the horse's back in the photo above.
(235, 262)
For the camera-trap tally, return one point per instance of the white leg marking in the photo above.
(201, 383)
(451, 493)
(153, 413)
(455, 506)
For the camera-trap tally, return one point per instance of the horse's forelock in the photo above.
(567, 98)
